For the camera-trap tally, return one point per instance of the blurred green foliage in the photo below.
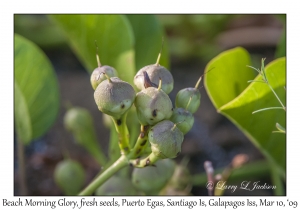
(229, 91)
(36, 91)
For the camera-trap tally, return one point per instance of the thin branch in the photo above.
(264, 109)
(256, 81)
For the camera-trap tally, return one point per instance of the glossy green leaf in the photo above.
(228, 76)
(114, 37)
(148, 34)
(36, 91)
(258, 127)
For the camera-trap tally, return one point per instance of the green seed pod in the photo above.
(155, 73)
(116, 186)
(152, 179)
(98, 75)
(114, 97)
(184, 118)
(80, 123)
(69, 176)
(189, 99)
(165, 139)
(152, 105)
(77, 119)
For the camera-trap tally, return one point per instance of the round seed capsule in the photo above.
(116, 186)
(114, 97)
(69, 176)
(165, 139)
(155, 72)
(189, 99)
(152, 105)
(77, 119)
(152, 179)
(98, 75)
(184, 118)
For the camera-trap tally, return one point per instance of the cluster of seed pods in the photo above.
(167, 124)
(163, 125)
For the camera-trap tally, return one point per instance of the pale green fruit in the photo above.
(69, 176)
(98, 75)
(77, 119)
(116, 186)
(165, 139)
(114, 97)
(152, 105)
(183, 118)
(80, 123)
(183, 97)
(155, 72)
(152, 179)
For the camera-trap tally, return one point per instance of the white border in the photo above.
(8, 8)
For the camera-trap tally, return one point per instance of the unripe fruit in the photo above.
(152, 179)
(116, 186)
(184, 118)
(80, 123)
(98, 75)
(155, 73)
(189, 99)
(114, 97)
(165, 139)
(77, 119)
(152, 105)
(69, 176)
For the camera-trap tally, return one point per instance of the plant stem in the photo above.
(141, 142)
(114, 152)
(21, 166)
(276, 96)
(149, 160)
(119, 164)
(276, 180)
(264, 109)
(122, 130)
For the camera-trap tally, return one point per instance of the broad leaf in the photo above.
(36, 91)
(259, 126)
(114, 38)
(228, 76)
(148, 34)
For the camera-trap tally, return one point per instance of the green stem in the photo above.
(150, 160)
(276, 96)
(114, 152)
(98, 155)
(122, 130)
(276, 180)
(119, 164)
(22, 170)
(141, 142)
(269, 108)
